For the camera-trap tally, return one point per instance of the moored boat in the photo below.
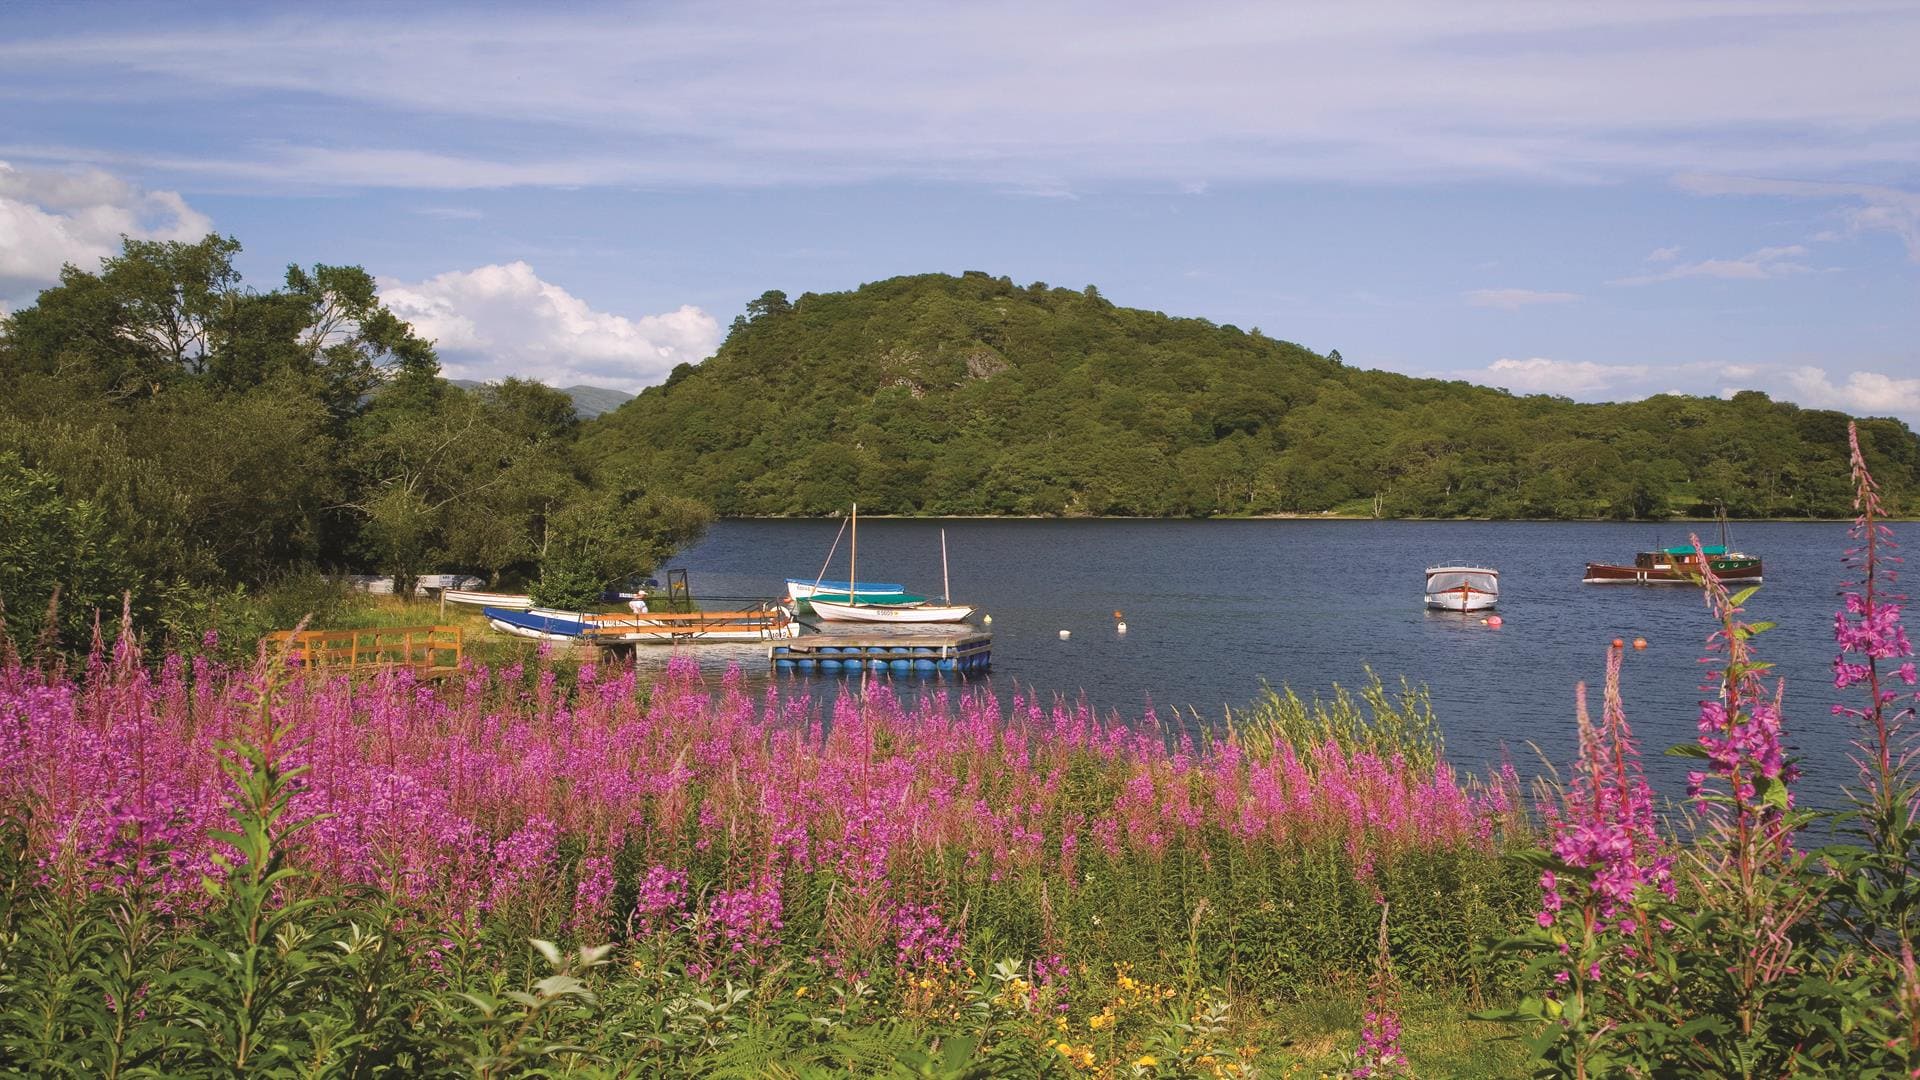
(878, 613)
(852, 607)
(1676, 566)
(1462, 588)
(801, 590)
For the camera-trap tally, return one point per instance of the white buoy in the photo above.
(1065, 634)
(988, 619)
(1122, 627)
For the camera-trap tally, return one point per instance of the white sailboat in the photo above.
(854, 611)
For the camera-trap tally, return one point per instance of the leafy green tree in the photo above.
(612, 532)
(58, 558)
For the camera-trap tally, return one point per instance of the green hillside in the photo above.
(972, 395)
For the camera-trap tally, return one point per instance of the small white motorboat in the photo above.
(1462, 588)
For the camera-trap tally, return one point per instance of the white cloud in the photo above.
(1663, 255)
(1768, 262)
(1515, 299)
(50, 217)
(1860, 392)
(494, 321)
(1571, 378)
(1396, 90)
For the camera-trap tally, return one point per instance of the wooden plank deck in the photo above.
(432, 651)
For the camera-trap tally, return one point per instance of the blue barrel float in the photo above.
(883, 654)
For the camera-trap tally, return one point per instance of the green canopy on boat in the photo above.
(1687, 549)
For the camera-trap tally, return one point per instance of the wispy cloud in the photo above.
(1387, 90)
(1767, 262)
(450, 213)
(1515, 299)
(1877, 207)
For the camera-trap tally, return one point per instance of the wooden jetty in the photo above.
(891, 654)
(429, 650)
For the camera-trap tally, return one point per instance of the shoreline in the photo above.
(1326, 516)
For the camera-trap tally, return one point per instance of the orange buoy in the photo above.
(1495, 621)
(1117, 615)
(1639, 643)
(1618, 644)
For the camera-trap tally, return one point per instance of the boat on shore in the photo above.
(1462, 588)
(643, 628)
(509, 601)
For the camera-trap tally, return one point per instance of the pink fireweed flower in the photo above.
(1606, 824)
(1740, 728)
(1379, 1054)
(1873, 645)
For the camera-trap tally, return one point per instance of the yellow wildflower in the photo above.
(1145, 1061)
(800, 993)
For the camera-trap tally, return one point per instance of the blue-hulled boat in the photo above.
(870, 591)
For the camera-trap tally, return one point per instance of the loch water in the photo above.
(1216, 608)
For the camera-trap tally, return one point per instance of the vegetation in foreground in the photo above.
(342, 878)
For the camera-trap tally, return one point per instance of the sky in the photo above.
(1602, 201)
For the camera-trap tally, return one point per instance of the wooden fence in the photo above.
(429, 650)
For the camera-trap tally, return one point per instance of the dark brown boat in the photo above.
(1676, 566)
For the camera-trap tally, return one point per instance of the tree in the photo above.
(610, 533)
(773, 303)
(58, 557)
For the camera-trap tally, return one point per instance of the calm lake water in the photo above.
(1215, 607)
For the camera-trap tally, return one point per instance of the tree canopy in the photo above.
(937, 394)
(169, 433)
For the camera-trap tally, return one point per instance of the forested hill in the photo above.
(972, 395)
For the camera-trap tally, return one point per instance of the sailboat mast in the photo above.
(853, 559)
(946, 586)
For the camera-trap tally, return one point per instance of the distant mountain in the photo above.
(588, 401)
(938, 394)
(591, 401)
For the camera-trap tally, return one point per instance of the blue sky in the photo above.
(1596, 200)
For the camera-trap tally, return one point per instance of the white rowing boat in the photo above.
(1462, 588)
(505, 601)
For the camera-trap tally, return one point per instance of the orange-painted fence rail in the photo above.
(430, 650)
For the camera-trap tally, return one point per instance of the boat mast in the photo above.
(946, 586)
(853, 556)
